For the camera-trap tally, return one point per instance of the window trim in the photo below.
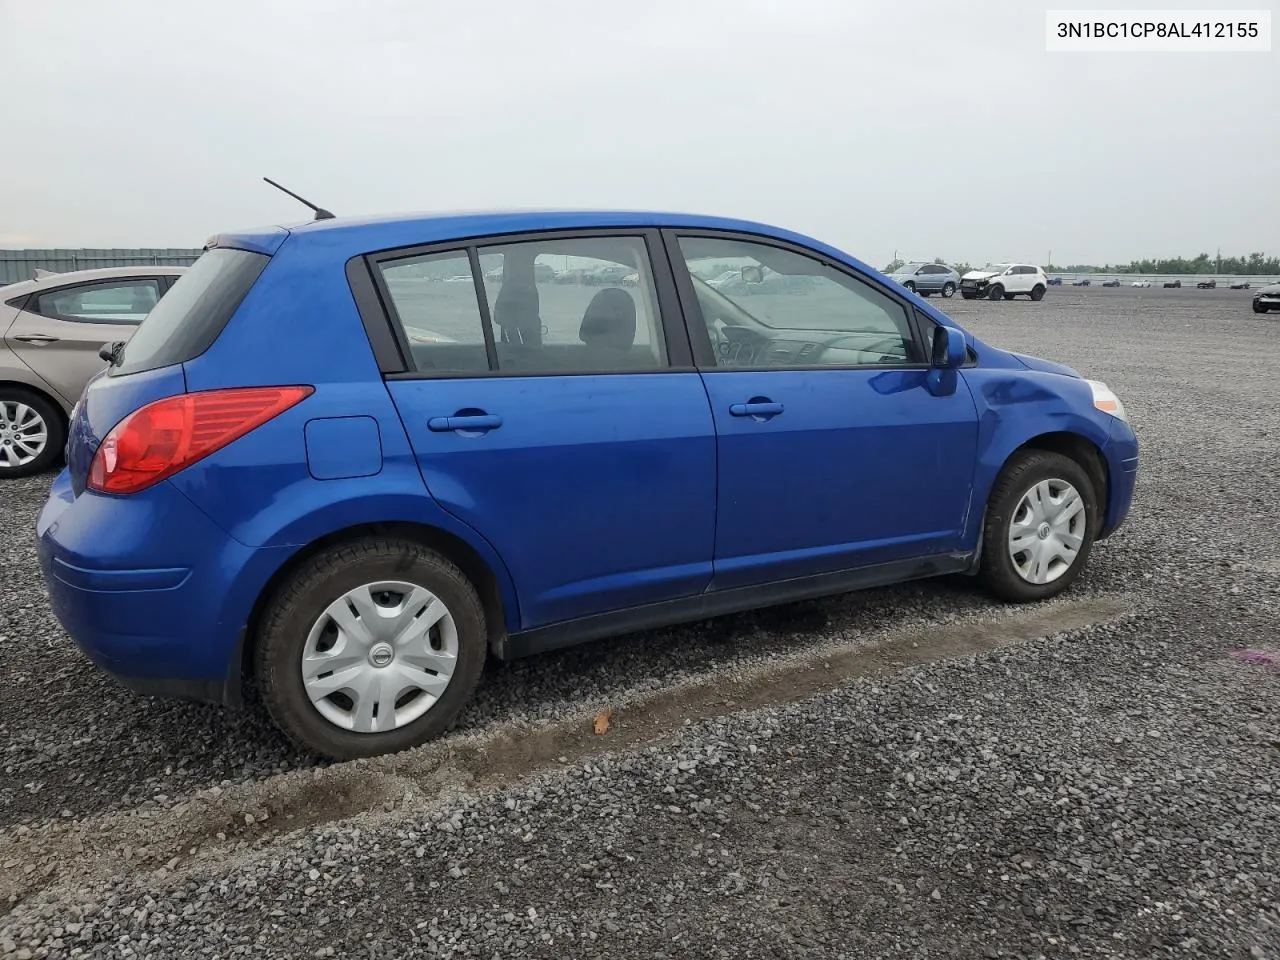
(34, 298)
(695, 324)
(391, 344)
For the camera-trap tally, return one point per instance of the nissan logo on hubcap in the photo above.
(381, 654)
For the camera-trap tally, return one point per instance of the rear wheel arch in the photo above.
(46, 395)
(58, 430)
(448, 545)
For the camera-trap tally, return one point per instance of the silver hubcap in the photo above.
(1047, 531)
(23, 434)
(380, 656)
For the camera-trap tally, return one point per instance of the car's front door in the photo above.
(59, 332)
(560, 417)
(833, 452)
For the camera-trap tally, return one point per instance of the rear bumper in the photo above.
(1122, 466)
(151, 590)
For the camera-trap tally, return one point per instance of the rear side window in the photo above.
(127, 301)
(187, 319)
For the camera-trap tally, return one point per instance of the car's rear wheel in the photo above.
(948, 289)
(370, 647)
(1037, 292)
(996, 292)
(1042, 516)
(910, 286)
(32, 433)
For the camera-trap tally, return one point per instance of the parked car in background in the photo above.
(1140, 283)
(1240, 285)
(1267, 298)
(1055, 281)
(927, 278)
(360, 520)
(1113, 282)
(1004, 280)
(1173, 283)
(53, 329)
(1207, 285)
(1081, 282)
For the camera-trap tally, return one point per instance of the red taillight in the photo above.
(158, 440)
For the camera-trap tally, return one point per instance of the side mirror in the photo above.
(752, 275)
(949, 349)
(105, 351)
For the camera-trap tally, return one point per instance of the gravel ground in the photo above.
(1094, 790)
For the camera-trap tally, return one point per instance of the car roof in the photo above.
(55, 280)
(371, 233)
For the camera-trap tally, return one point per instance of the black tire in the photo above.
(948, 289)
(909, 285)
(55, 427)
(1037, 292)
(1259, 308)
(1019, 475)
(301, 600)
(996, 292)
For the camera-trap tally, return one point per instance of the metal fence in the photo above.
(19, 265)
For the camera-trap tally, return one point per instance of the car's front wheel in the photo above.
(909, 285)
(1259, 308)
(1037, 292)
(370, 647)
(948, 289)
(1042, 516)
(32, 433)
(996, 292)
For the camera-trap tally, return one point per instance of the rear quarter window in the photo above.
(187, 319)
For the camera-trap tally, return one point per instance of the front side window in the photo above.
(786, 309)
(556, 305)
(123, 302)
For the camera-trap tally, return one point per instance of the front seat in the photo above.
(609, 320)
(516, 309)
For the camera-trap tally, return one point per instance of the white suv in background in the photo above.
(1006, 280)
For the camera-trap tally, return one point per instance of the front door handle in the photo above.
(39, 339)
(464, 422)
(757, 407)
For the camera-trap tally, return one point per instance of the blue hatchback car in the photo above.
(350, 459)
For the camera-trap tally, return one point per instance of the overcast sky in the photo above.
(929, 127)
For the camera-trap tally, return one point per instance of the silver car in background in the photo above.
(927, 278)
(52, 330)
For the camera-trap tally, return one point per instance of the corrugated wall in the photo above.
(18, 265)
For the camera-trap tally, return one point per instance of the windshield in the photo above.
(909, 268)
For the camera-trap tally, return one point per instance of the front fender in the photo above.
(1016, 409)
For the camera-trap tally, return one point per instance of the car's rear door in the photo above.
(834, 454)
(59, 332)
(563, 421)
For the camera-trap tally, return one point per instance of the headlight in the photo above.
(1106, 400)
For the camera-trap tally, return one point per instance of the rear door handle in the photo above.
(482, 421)
(756, 408)
(37, 338)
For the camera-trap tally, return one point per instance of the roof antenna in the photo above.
(321, 212)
